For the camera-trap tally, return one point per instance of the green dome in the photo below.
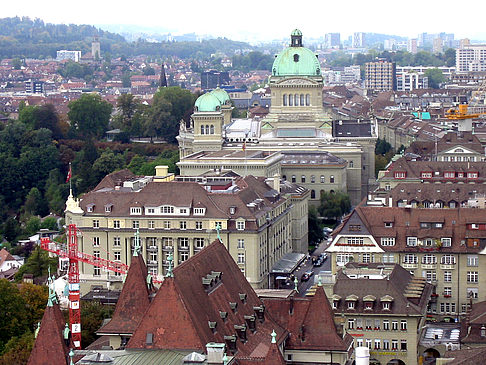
(296, 61)
(207, 103)
(222, 95)
(296, 32)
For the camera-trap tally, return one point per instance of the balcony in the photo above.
(447, 266)
(184, 248)
(152, 263)
(168, 248)
(410, 266)
(113, 278)
(152, 248)
(429, 266)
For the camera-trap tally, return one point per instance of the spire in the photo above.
(71, 355)
(274, 336)
(170, 259)
(163, 78)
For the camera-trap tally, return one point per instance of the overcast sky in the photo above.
(266, 19)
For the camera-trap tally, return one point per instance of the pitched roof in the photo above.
(49, 346)
(309, 321)
(5, 256)
(133, 301)
(114, 179)
(184, 309)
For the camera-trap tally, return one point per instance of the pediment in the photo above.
(296, 81)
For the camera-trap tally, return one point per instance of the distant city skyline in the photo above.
(262, 21)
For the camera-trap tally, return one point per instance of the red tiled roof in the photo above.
(49, 347)
(133, 301)
(179, 315)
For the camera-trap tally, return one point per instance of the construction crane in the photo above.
(465, 113)
(70, 251)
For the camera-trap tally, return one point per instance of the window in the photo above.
(331, 179)
(199, 225)
(430, 276)
(241, 257)
(388, 258)
(351, 304)
(446, 242)
(240, 225)
(448, 260)
(167, 209)
(472, 277)
(323, 179)
(368, 343)
(400, 174)
(447, 276)
(151, 224)
(302, 179)
(472, 175)
(199, 211)
(284, 99)
(385, 305)
(355, 241)
(184, 242)
(449, 174)
(377, 344)
(410, 258)
(184, 255)
(135, 224)
(343, 258)
(150, 210)
(394, 345)
(388, 224)
(351, 163)
(307, 99)
(96, 242)
(96, 223)
(116, 224)
(447, 290)
(241, 243)
(368, 305)
(472, 293)
(96, 271)
(182, 224)
(202, 129)
(136, 210)
(367, 258)
(429, 259)
(386, 344)
(359, 342)
(394, 325)
(403, 345)
(403, 325)
(166, 224)
(313, 194)
(355, 227)
(117, 255)
(116, 241)
(199, 243)
(313, 179)
(293, 178)
(472, 260)
(426, 175)
(386, 325)
(388, 241)
(350, 324)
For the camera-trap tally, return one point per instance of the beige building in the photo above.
(166, 215)
(382, 307)
(296, 123)
(380, 76)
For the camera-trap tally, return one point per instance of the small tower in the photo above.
(296, 38)
(96, 49)
(208, 120)
(163, 78)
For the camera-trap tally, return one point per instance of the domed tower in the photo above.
(225, 101)
(296, 85)
(208, 120)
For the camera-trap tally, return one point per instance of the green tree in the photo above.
(334, 205)
(37, 264)
(382, 147)
(92, 316)
(56, 191)
(49, 223)
(107, 163)
(11, 229)
(315, 233)
(34, 203)
(13, 314)
(17, 349)
(89, 116)
(450, 57)
(435, 76)
(32, 226)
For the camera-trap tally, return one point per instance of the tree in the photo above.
(334, 205)
(89, 116)
(315, 231)
(435, 76)
(37, 264)
(17, 350)
(35, 203)
(107, 163)
(34, 298)
(13, 314)
(382, 147)
(92, 316)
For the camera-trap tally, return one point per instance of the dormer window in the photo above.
(199, 211)
(388, 224)
(426, 174)
(240, 225)
(368, 305)
(386, 305)
(232, 210)
(167, 209)
(136, 210)
(386, 302)
(472, 175)
(108, 208)
(351, 305)
(90, 208)
(400, 174)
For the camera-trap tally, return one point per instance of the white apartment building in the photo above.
(68, 55)
(471, 58)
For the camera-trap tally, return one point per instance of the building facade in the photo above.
(380, 76)
(471, 58)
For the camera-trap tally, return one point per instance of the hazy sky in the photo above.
(265, 19)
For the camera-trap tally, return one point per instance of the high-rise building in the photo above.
(412, 46)
(438, 45)
(212, 79)
(333, 40)
(359, 40)
(68, 55)
(380, 75)
(471, 57)
(96, 49)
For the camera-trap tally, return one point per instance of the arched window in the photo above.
(293, 178)
(331, 179)
(207, 129)
(296, 101)
(313, 194)
(284, 177)
(302, 178)
(284, 99)
(302, 102)
(307, 99)
(313, 179)
(323, 179)
(212, 129)
(291, 100)
(202, 129)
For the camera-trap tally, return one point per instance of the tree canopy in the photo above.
(89, 116)
(334, 205)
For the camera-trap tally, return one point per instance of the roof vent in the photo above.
(233, 306)
(250, 322)
(241, 331)
(260, 312)
(149, 339)
(242, 297)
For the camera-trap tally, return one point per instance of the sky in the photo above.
(265, 20)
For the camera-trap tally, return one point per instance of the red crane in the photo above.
(70, 251)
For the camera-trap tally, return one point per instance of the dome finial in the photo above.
(296, 38)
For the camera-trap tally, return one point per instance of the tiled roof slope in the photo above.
(49, 346)
(309, 321)
(180, 314)
(114, 179)
(133, 301)
(471, 325)
(406, 223)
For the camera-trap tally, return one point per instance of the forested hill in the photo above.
(27, 38)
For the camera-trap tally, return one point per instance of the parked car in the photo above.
(323, 256)
(327, 230)
(318, 262)
(306, 276)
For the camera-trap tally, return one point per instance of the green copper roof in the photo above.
(296, 60)
(221, 94)
(207, 103)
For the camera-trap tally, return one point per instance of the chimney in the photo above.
(276, 182)
(215, 353)
(161, 170)
(362, 355)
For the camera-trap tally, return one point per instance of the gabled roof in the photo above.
(49, 346)
(133, 301)
(181, 312)
(309, 321)
(5, 256)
